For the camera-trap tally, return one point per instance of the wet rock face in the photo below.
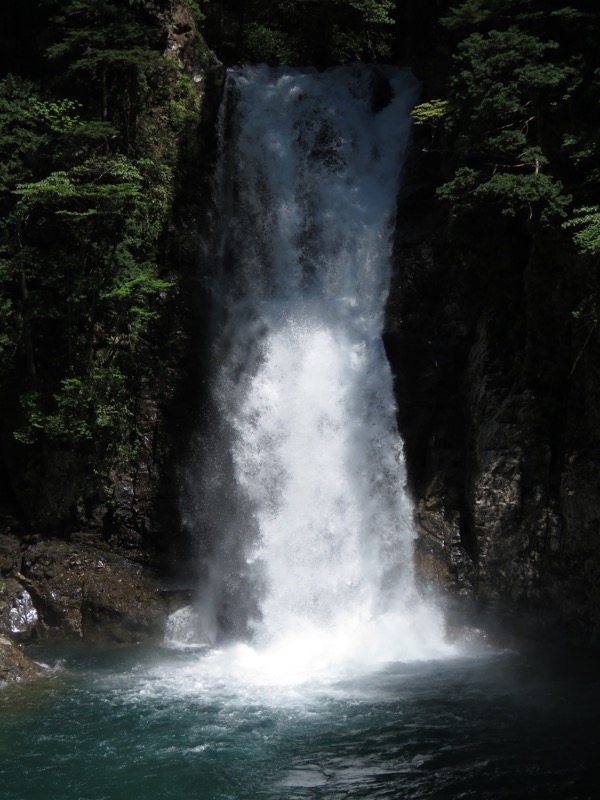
(427, 337)
(10, 554)
(86, 592)
(82, 589)
(79, 589)
(508, 498)
(498, 389)
(22, 615)
(18, 617)
(15, 667)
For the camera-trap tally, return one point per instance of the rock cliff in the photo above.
(497, 383)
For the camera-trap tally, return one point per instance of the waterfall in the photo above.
(298, 484)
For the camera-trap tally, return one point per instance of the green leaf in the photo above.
(430, 113)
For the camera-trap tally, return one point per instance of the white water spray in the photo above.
(303, 482)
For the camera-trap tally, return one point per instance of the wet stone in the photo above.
(22, 616)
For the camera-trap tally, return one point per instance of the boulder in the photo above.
(15, 666)
(84, 591)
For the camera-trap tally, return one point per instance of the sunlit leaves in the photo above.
(585, 222)
(430, 113)
(374, 12)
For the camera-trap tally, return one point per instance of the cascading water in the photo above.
(302, 484)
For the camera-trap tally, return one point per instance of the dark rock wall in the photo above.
(497, 384)
(78, 589)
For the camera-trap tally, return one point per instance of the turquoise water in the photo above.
(143, 723)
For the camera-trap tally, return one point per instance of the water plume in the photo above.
(302, 485)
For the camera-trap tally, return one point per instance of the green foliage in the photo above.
(264, 44)
(104, 218)
(89, 28)
(91, 295)
(582, 150)
(472, 15)
(87, 182)
(502, 79)
(88, 410)
(586, 222)
(362, 29)
(109, 56)
(59, 115)
(511, 193)
(477, 13)
(506, 86)
(374, 12)
(304, 31)
(196, 10)
(568, 13)
(28, 127)
(430, 113)
(580, 147)
(9, 332)
(522, 122)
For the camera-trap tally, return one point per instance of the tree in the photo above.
(303, 31)
(111, 48)
(87, 185)
(506, 87)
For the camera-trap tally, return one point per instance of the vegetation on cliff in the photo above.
(321, 32)
(520, 113)
(519, 129)
(93, 133)
(514, 126)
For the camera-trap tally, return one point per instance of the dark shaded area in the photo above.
(22, 22)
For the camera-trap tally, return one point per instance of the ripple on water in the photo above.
(485, 727)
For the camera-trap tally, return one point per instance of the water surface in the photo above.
(148, 723)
